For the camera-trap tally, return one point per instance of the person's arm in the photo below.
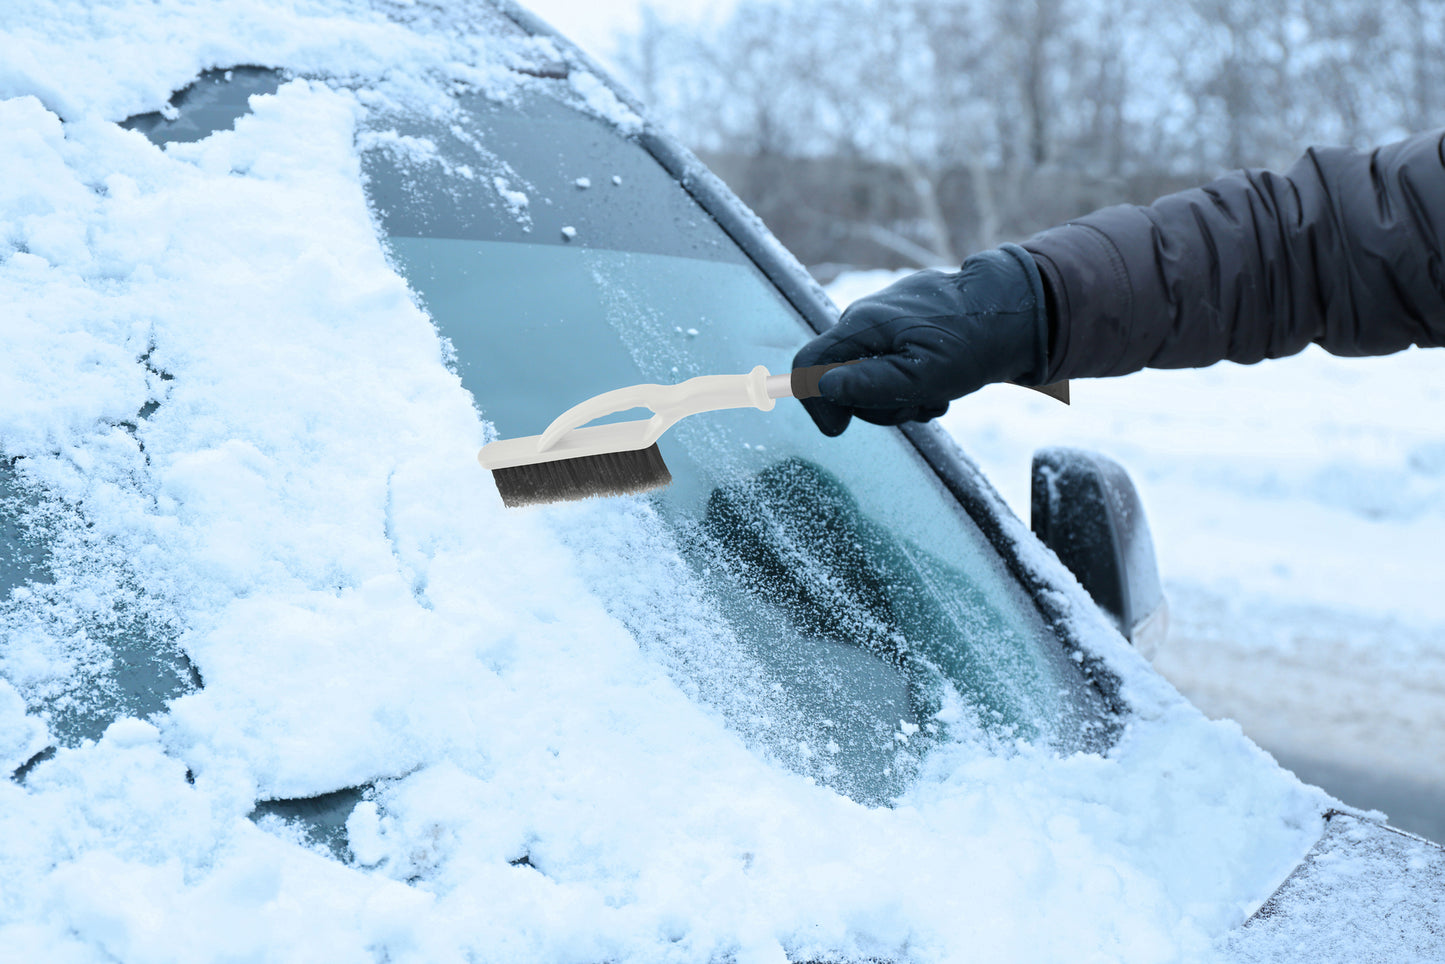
(1346, 249)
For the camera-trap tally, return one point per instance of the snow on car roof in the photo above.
(303, 503)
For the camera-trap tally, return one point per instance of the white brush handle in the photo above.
(570, 437)
(669, 403)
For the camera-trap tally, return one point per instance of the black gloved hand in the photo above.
(930, 338)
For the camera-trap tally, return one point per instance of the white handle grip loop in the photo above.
(669, 403)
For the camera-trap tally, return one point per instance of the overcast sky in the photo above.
(593, 23)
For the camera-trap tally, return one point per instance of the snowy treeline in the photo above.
(899, 132)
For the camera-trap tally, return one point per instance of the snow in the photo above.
(1297, 508)
(601, 100)
(1357, 867)
(516, 200)
(21, 736)
(303, 504)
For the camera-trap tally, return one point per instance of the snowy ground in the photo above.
(1298, 509)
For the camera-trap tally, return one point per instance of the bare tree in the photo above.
(912, 131)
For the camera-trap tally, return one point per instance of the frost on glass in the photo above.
(80, 638)
(827, 596)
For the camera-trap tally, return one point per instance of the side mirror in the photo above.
(1086, 509)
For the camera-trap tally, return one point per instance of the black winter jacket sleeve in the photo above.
(1344, 250)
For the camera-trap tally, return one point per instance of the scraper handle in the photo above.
(803, 383)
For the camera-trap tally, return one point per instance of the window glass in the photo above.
(828, 596)
(213, 103)
(80, 657)
(22, 553)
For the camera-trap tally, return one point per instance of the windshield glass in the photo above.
(828, 596)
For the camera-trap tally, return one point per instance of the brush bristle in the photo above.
(566, 480)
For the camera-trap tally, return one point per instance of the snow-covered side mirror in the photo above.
(1085, 507)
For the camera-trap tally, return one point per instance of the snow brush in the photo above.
(571, 460)
(568, 461)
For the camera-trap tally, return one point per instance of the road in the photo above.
(1329, 697)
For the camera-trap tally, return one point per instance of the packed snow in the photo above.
(1343, 903)
(302, 504)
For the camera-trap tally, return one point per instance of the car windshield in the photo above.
(828, 596)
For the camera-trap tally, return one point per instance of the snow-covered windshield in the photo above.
(227, 426)
(827, 595)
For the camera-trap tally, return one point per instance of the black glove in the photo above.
(930, 338)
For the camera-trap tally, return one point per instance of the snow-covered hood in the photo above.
(298, 511)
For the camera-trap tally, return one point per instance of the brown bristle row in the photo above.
(567, 480)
